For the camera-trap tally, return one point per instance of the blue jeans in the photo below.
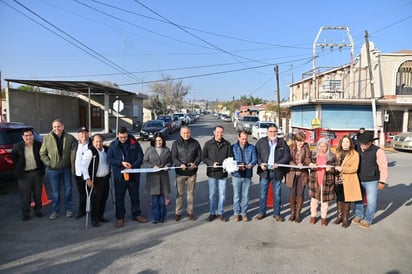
(56, 178)
(368, 213)
(120, 187)
(213, 184)
(264, 185)
(240, 187)
(158, 208)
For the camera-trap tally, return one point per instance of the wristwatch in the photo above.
(382, 183)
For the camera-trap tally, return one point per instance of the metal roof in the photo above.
(81, 87)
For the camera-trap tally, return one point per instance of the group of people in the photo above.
(352, 175)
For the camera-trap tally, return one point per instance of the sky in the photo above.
(221, 50)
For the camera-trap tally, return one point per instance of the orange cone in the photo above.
(269, 202)
(44, 200)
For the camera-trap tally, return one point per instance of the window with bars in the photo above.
(332, 85)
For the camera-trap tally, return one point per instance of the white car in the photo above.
(259, 129)
(226, 118)
(403, 141)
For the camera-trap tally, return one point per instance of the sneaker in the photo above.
(69, 214)
(364, 224)
(54, 216)
(357, 220)
(245, 218)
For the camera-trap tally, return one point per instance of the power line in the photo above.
(137, 26)
(203, 31)
(98, 57)
(197, 37)
(208, 74)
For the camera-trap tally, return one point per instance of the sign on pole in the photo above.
(117, 106)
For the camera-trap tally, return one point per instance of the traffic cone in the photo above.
(44, 200)
(269, 202)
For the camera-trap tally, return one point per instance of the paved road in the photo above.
(65, 246)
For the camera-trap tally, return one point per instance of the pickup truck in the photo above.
(246, 123)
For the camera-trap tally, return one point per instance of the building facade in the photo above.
(339, 101)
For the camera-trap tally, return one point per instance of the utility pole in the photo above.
(278, 91)
(371, 82)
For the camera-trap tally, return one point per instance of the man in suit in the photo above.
(271, 151)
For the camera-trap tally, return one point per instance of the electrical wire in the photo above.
(82, 46)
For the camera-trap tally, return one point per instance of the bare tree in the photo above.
(170, 93)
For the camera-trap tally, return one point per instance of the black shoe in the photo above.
(103, 220)
(39, 214)
(80, 214)
(95, 223)
(26, 218)
(211, 217)
(222, 218)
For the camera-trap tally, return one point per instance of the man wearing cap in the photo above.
(55, 154)
(77, 152)
(373, 173)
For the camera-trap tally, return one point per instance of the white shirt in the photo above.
(81, 149)
(103, 168)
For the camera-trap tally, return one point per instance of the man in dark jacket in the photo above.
(29, 172)
(125, 153)
(186, 154)
(215, 151)
(271, 152)
(373, 175)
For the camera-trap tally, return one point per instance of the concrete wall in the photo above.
(40, 109)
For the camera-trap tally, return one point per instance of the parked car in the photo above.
(403, 141)
(226, 118)
(10, 134)
(168, 119)
(178, 122)
(150, 128)
(181, 117)
(259, 129)
(246, 123)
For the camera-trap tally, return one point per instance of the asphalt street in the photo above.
(65, 246)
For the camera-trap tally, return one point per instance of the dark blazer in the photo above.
(19, 159)
(282, 156)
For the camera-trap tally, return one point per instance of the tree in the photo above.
(25, 88)
(155, 105)
(170, 93)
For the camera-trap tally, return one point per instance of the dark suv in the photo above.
(10, 133)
